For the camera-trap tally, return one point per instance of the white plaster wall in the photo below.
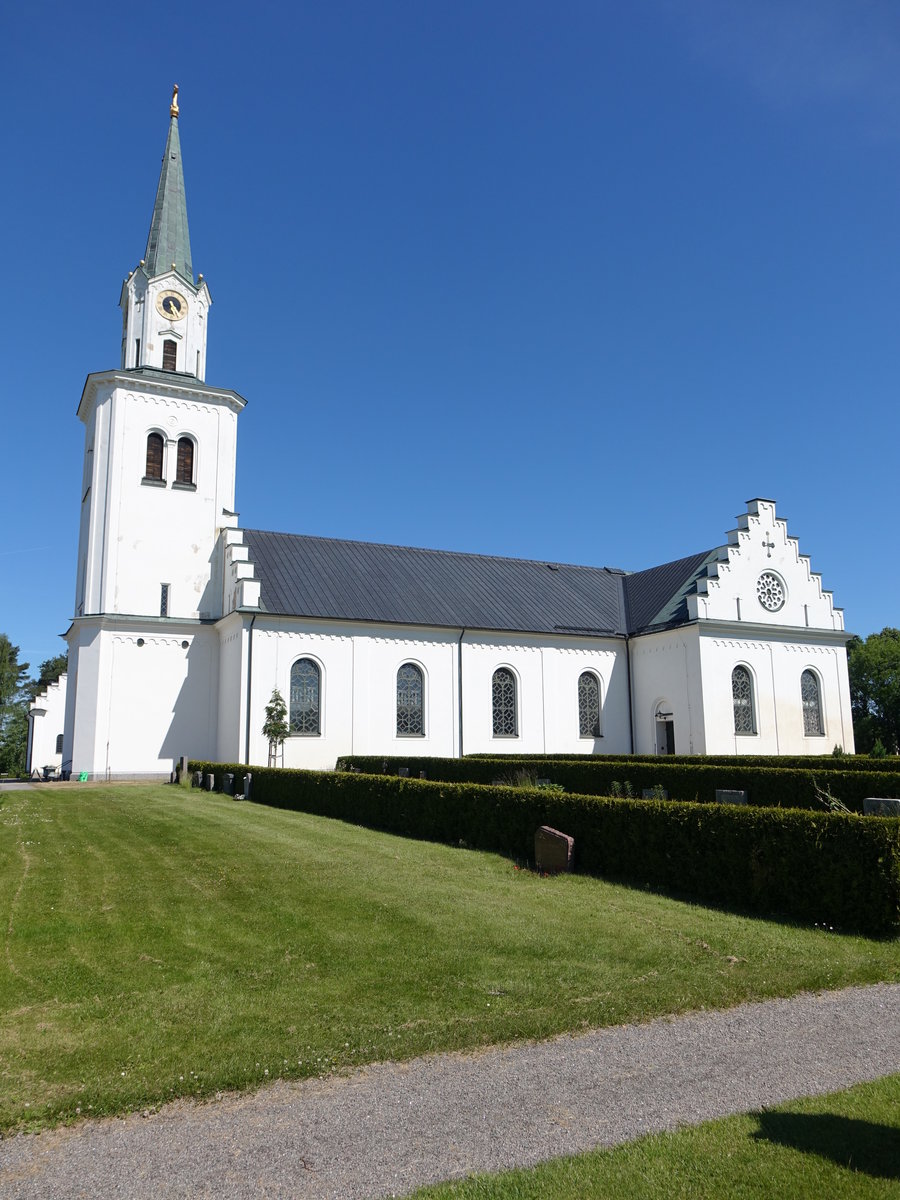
(359, 663)
(666, 676)
(139, 536)
(776, 664)
(47, 720)
(140, 707)
(232, 698)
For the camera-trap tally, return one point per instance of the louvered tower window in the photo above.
(588, 705)
(304, 711)
(154, 467)
(504, 703)
(170, 355)
(184, 471)
(410, 698)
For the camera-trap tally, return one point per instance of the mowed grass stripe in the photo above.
(165, 942)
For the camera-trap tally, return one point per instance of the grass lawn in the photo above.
(845, 1145)
(162, 942)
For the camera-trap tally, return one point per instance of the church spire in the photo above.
(169, 243)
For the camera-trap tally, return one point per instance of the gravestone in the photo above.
(403, 772)
(210, 782)
(422, 775)
(881, 806)
(731, 796)
(553, 851)
(182, 767)
(228, 783)
(654, 793)
(197, 779)
(248, 784)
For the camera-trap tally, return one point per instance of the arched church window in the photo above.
(742, 697)
(504, 703)
(170, 355)
(184, 470)
(410, 701)
(588, 705)
(305, 689)
(811, 699)
(154, 467)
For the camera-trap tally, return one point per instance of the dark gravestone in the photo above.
(654, 793)
(182, 767)
(403, 772)
(228, 783)
(248, 784)
(553, 851)
(210, 782)
(197, 779)
(881, 806)
(422, 775)
(730, 796)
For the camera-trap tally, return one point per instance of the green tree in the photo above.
(13, 707)
(51, 669)
(874, 666)
(275, 727)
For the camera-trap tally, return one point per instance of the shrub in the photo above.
(827, 867)
(683, 779)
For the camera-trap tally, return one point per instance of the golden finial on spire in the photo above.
(173, 107)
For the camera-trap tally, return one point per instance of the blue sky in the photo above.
(566, 281)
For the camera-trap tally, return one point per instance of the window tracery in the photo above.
(504, 703)
(742, 697)
(588, 705)
(304, 703)
(410, 701)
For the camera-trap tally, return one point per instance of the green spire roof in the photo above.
(169, 241)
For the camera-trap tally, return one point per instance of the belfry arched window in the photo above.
(504, 703)
(811, 699)
(742, 698)
(588, 705)
(170, 355)
(154, 464)
(410, 701)
(305, 692)
(184, 470)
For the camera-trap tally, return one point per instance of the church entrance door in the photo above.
(665, 737)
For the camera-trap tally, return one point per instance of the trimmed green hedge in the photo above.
(813, 867)
(781, 787)
(809, 762)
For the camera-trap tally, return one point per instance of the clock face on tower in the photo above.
(171, 305)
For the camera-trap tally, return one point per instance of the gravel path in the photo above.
(393, 1127)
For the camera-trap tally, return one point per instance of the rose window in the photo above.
(770, 591)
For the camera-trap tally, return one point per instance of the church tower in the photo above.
(157, 495)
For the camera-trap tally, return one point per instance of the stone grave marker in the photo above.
(248, 785)
(553, 851)
(210, 782)
(654, 793)
(881, 806)
(731, 796)
(197, 779)
(403, 772)
(228, 783)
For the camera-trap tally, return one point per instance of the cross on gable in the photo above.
(770, 546)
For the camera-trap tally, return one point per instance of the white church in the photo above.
(185, 621)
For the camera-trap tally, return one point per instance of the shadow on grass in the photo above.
(859, 1145)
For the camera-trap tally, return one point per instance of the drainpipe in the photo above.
(249, 683)
(459, 674)
(630, 702)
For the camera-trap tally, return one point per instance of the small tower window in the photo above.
(137, 352)
(170, 355)
(163, 599)
(154, 467)
(184, 470)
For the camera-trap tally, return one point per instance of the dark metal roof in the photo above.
(362, 581)
(658, 596)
